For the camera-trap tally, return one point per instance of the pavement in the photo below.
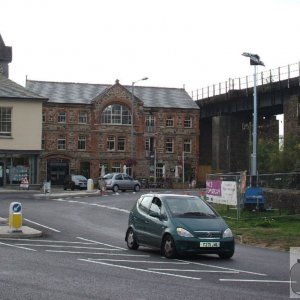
(22, 232)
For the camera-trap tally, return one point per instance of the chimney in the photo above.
(5, 57)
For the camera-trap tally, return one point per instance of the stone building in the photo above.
(87, 127)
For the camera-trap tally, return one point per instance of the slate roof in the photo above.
(84, 93)
(10, 89)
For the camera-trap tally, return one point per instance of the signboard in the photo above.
(221, 192)
(16, 207)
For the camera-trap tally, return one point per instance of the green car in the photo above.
(178, 225)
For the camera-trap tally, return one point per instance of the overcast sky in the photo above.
(173, 42)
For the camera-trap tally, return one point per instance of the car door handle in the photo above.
(147, 222)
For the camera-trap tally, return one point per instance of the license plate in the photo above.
(209, 244)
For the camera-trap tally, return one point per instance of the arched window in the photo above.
(116, 114)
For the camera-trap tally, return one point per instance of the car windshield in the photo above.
(189, 207)
(108, 176)
(79, 177)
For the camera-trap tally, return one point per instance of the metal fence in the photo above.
(262, 78)
(281, 195)
(280, 180)
(224, 190)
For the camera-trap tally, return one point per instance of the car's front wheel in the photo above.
(226, 255)
(115, 188)
(137, 188)
(131, 240)
(168, 247)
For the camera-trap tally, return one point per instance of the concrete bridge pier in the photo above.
(230, 143)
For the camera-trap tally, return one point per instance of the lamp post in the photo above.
(132, 114)
(255, 61)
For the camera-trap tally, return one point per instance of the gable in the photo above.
(115, 93)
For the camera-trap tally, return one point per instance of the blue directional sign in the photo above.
(16, 207)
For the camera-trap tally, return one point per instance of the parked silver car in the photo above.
(121, 181)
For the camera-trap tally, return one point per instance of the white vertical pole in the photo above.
(155, 164)
(183, 167)
(132, 128)
(254, 168)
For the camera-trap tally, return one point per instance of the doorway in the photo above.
(85, 169)
(57, 170)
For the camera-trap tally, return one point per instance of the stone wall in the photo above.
(96, 133)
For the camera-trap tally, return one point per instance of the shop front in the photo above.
(14, 166)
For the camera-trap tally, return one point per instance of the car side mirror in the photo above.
(154, 214)
(164, 217)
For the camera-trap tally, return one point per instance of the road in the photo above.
(82, 255)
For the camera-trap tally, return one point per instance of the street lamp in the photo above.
(254, 61)
(132, 113)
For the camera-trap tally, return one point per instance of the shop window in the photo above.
(19, 166)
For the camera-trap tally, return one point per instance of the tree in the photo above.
(273, 160)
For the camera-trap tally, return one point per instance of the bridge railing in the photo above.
(262, 78)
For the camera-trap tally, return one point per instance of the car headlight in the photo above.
(227, 233)
(183, 232)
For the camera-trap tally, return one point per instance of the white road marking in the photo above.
(223, 268)
(95, 253)
(142, 270)
(24, 248)
(95, 242)
(258, 281)
(141, 261)
(93, 204)
(196, 271)
(46, 241)
(41, 225)
(64, 246)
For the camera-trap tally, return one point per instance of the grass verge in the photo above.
(272, 229)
